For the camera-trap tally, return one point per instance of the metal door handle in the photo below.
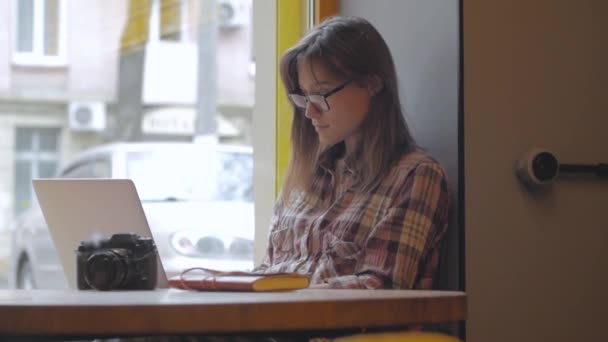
(600, 170)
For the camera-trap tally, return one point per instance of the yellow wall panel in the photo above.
(292, 19)
(289, 30)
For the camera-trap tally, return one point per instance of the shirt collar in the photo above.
(329, 157)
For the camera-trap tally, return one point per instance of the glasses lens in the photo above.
(319, 102)
(298, 100)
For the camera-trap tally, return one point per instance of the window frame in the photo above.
(37, 56)
(34, 156)
(272, 142)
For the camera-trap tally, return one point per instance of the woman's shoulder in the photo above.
(413, 172)
(415, 166)
(411, 160)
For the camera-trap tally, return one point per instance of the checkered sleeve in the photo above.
(413, 224)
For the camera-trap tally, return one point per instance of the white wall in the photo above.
(94, 33)
(535, 73)
(5, 48)
(93, 37)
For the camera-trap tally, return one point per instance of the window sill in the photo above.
(28, 60)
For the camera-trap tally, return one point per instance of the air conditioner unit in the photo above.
(232, 13)
(87, 116)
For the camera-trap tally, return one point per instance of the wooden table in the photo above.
(92, 313)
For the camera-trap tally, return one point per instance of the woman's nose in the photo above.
(311, 111)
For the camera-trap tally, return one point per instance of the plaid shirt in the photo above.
(386, 238)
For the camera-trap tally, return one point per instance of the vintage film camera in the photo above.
(122, 262)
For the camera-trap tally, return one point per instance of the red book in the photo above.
(203, 279)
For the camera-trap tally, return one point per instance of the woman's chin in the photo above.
(328, 140)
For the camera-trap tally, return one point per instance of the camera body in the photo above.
(122, 262)
(537, 168)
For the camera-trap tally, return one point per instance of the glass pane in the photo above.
(51, 27)
(24, 138)
(236, 177)
(48, 139)
(166, 99)
(46, 169)
(182, 176)
(23, 186)
(25, 26)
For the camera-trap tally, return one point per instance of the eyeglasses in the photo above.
(319, 101)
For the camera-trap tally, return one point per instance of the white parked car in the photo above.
(198, 201)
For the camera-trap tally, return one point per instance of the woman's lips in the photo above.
(319, 127)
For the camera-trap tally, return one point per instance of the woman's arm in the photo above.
(393, 250)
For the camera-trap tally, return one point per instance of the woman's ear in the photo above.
(374, 84)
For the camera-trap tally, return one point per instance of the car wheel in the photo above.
(25, 275)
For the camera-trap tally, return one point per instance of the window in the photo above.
(110, 41)
(212, 197)
(40, 33)
(168, 21)
(36, 157)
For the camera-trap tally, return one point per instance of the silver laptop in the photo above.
(79, 210)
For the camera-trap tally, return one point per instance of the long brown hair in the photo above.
(353, 49)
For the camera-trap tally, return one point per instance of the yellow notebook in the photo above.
(203, 279)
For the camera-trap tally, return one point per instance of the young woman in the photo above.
(361, 206)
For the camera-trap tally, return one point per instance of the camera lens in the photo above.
(106, 270)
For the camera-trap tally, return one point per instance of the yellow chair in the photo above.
(399, 337)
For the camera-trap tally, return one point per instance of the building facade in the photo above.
(61, 77)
